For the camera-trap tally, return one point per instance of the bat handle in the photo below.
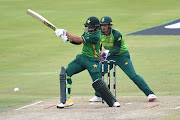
(55, 29)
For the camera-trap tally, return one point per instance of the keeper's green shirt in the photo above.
(91, 44)
(114, 42)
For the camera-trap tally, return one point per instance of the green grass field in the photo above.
(31, 55)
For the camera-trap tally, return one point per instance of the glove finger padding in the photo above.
(64, 38)
(102, 89)
(105, 54)
(60, 32)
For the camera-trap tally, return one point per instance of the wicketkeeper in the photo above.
(88, 59)
(116, 49)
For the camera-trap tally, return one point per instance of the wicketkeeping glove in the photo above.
(105, 54)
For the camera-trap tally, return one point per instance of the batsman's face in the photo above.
(90, 29)
(105, 28)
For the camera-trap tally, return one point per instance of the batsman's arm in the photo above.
(74, 43)
(74, 38)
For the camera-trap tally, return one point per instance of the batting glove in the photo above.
(64, 38)
(60, 32)
(105, 54)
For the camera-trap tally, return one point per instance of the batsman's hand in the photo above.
(105, 54)
(60, 32)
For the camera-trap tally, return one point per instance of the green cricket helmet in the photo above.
(106, 20)
(92, 22)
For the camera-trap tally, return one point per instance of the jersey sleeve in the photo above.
(91, 38)
(117, 42)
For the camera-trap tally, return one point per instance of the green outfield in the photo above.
(31, 55)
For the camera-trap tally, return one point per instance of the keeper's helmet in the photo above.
(92, 22)
(106, 20)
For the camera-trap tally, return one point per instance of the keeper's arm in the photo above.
(117, 43)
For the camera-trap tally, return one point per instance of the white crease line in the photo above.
(172, 108)
(177, 107)
(169, 108)
(28, 105)
(128, 103)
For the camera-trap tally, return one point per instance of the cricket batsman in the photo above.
(116, 49)
(88, 59)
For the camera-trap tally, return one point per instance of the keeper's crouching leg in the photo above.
(102, 89)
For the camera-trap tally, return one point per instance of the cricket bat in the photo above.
(41, 19)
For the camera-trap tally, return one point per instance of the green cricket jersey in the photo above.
(91, 44)
(114, 42)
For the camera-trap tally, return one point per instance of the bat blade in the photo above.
(41, 19)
